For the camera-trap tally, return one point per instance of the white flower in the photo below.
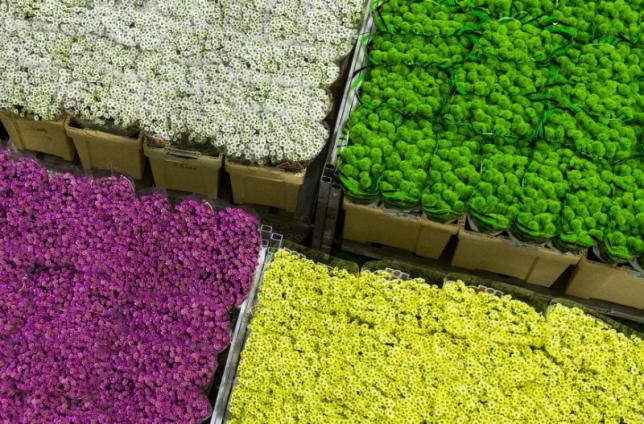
(248, 76)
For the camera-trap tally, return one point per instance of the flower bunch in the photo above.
(600, 20)
(114, 306)
(394, 49)
(603, 77)
(453, 178)
(512, 42)
(407, 351)
(543, 189)
(602, 139)
(598, 104)
(330, 23)
(421, 18)
(624, 234)
(362, 163)
(248, 77)
(495, 202)
(413, 91)
(496, 117)
(492, 97)
(30, 81)
(584, 215)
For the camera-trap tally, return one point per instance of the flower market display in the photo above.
(330, 346)
(114, 307)
(249, 77)
(525, 115)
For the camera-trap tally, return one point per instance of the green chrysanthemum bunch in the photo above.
(452, 178)
(511, 41)
(624, 235)
(329, 346)
(604, 19)
(426, 18)
(599, 103)
(584, 215)
(412, 91)
(395, 49)
(494, 204)
(544, 187)
(387, 154)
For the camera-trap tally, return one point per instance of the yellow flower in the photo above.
(328, 346)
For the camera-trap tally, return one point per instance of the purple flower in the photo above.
(114, 307)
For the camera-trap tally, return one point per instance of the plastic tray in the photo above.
(271, 242)
(350, 98)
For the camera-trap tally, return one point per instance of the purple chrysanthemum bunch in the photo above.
(113, 307)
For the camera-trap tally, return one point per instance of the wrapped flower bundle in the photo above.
(624, 236)
(114, 306)
(545, 81)
(584, 217)
(543, 188)
(249, 77)
(329, 346)
(453, 177)
(494, 203)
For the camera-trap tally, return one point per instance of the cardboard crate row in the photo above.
(173, 169)
(537, 265)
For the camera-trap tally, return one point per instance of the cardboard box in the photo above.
(534, 264)
(183, 170)
(101, 150)
(262, 185)
(39, 136)
(417, 234)
(9, 124)
(594, 280)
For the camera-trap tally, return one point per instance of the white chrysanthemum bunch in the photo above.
(31, 62)
(250, 77)
(266, 56)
